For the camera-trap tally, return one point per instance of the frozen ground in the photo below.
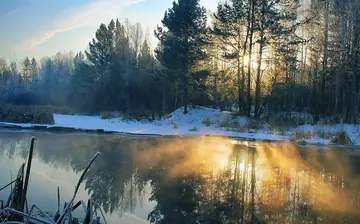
(323, 134)
(175, 123)
(205, 121)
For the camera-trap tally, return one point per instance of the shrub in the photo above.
(193, 129)
(324, 134)
(110, 114)
(26, 114)
(342, 139)
(235, 124)
(254, 124)
(285, 122)
(173, 124)
(302, 142)
(206, 121)
(302, 134)
(225, 123)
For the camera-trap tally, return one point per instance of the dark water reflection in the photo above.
(190, 181)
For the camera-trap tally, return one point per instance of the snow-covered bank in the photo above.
(322, 134)
(197, 122)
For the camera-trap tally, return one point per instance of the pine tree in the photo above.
(101, 55)
(26, 70)
(34, 71)
(145, 58)
(14, 69)
(182, 41)
(125, 62)
(232, 34)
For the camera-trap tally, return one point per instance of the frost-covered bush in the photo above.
(193, 129)
(342, 139)
(206, 121)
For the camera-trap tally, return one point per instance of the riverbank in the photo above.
(200, 121)
(94, 124)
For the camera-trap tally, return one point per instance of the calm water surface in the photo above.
(198, 180)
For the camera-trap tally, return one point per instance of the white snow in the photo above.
(179, 124)
(176, 123)
(317, 133)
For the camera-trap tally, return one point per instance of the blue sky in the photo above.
(38, 28)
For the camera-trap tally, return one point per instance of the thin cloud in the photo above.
(8, 13)
(93, 13)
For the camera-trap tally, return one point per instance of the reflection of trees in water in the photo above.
(113, 180)
(193, 184)
(304, 190)
(9, 148)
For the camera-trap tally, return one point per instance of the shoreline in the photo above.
(198, 122)
(56, 129)
(68, 130)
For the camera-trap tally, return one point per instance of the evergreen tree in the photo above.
(34, 70)
(26, 70)
(101, 54)
(13, 68)
(82, 85)
(229, 29)
(182, 41)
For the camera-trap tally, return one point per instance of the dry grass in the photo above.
(206, 121)
(26, 114)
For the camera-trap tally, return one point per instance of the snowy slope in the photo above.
(175, 123)
(219, 123)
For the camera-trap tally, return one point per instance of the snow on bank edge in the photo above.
(175, 124)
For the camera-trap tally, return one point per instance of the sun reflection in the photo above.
(275, 174)
(242, 166)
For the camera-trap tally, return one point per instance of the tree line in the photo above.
(256, 57)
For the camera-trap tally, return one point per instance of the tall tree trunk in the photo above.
(244, 54)
(163, 102)
(252, 5)
(258, 75)
(355, 90)
(176, 97)
(240, 87)
(238, 63)
(186, 77)
(340, 73)
(186, 97)
(325, 55)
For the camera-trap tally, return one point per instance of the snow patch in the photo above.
(175, 123)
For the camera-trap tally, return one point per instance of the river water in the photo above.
(195, 180)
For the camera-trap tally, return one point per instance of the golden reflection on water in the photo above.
(266, 183)
(204, 180)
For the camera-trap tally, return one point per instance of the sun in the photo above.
(246, 61)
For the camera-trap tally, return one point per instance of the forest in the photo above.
(257, 58)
